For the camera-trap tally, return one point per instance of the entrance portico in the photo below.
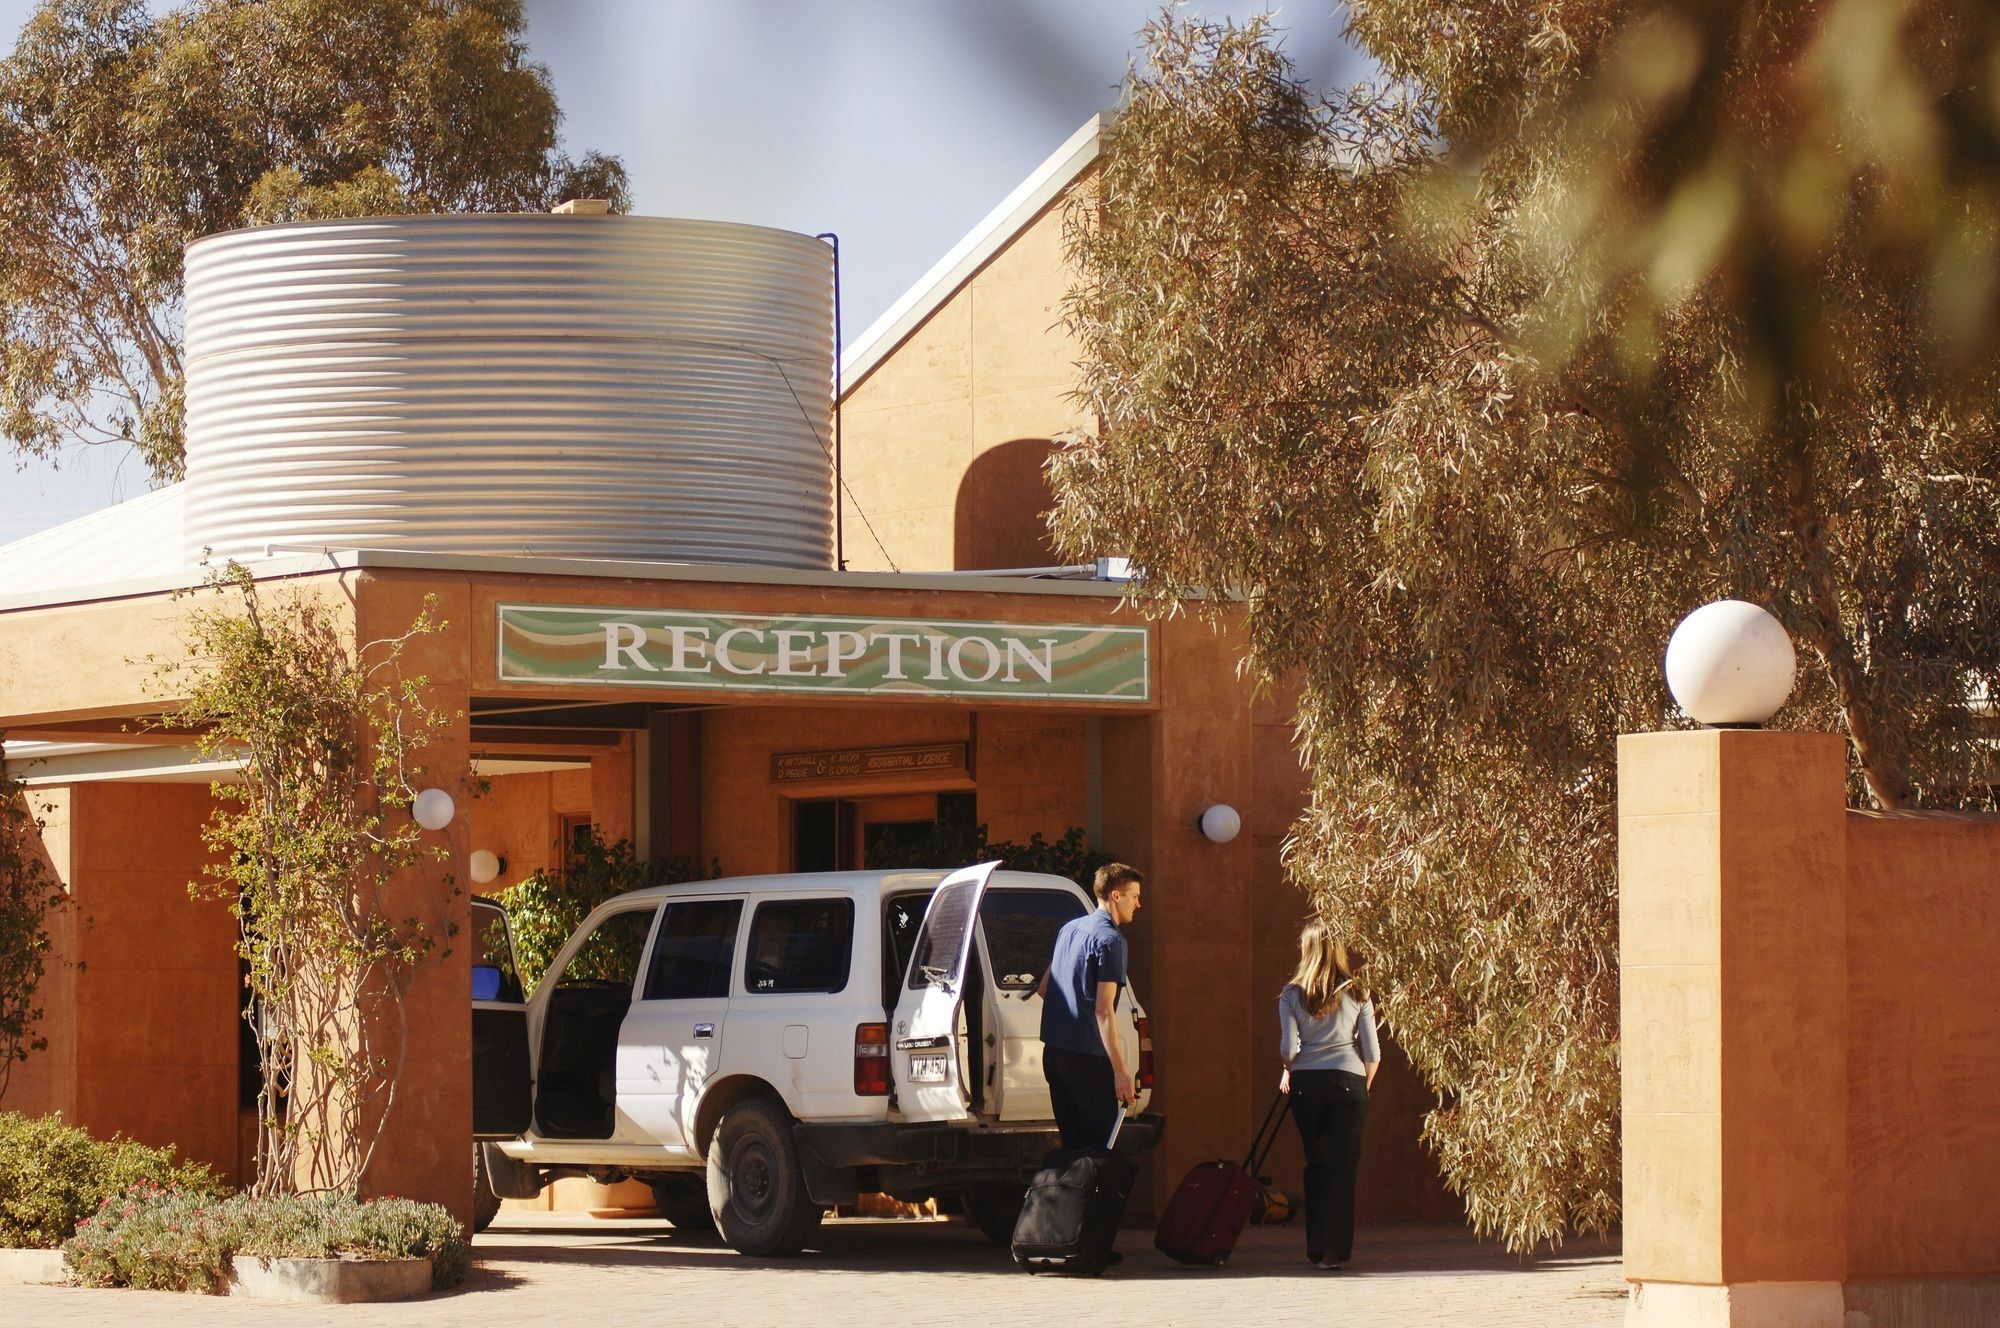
(694, 710)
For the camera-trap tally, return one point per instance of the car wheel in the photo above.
(485, 1203)
(995, 1209)
(683, 1201)
(756, 1191)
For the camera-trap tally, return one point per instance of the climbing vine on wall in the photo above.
(331, 735)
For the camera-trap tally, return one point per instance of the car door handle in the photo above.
(704, 1030)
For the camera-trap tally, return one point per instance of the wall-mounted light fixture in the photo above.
(1220, 823)
(433, 809)
(1730, 664)
(484, 866)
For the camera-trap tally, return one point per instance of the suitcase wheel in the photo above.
(1218, 1261)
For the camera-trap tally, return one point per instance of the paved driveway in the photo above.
(536, 1268)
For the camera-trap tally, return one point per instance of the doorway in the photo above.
(893, 830)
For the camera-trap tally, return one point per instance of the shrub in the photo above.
(54, 1175)
(176, 1240)
(548, 906)
(326, 1225)
(164, 1240)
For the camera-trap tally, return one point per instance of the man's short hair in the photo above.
(1115, 876)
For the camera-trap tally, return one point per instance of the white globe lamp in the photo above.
(1730, 664)
(1221, 823)
(484, 865)
(433, 809)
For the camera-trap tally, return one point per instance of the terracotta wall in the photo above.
(1923, 1070)
(143, 992)
(1810, 999)
(520, 819)
(942, 442)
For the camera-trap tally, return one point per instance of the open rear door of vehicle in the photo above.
(929, 1063)
(500, 1074)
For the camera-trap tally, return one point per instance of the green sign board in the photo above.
(549, 643)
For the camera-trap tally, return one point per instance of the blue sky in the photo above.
(896, 123)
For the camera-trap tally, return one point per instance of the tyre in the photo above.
(683, 1201)
(485, 1203)
(995, 1209)
(756, 1191)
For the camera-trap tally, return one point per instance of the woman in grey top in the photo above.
(1326, 1037)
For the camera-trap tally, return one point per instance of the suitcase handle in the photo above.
(1253, 1161)
(1116, 1126)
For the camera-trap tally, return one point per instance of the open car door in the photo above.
(929, 1063)
(500, 1088)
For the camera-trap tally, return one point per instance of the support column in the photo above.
(1732, 941)
(426, 1150)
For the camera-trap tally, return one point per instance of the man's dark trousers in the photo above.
(1083, 1095)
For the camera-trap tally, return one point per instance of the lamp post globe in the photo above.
(1730, 664)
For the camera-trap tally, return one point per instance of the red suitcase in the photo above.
(1208, 1212)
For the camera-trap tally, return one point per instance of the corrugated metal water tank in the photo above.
(522, 384)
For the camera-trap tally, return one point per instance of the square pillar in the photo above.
(1732, 945)
(425, 1151)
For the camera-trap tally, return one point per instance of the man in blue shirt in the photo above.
(1082, 1057)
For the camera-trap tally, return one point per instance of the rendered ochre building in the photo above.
(605, 446)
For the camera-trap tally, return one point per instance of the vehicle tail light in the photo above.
(871, 1060)
(1145, 1052)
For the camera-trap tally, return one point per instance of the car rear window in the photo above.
(799, 945)
(1020, 923)
(1021, 927)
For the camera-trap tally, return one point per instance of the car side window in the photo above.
(610, 955)
(695, 950)
(799, 945)
(493, 975)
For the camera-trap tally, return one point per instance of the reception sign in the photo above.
(650, 648)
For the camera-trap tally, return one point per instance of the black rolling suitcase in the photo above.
(1073, 1208)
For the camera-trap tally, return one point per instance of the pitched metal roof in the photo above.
(140, 537)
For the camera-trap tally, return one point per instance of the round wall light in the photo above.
(1220, 823)
(1730, 664)
(433, 809)
(484, 865)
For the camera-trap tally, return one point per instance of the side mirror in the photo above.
(486, 982)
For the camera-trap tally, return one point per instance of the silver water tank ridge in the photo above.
(526, 384)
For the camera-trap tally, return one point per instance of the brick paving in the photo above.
(538, 1268)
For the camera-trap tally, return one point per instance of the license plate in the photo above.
(929, 1069)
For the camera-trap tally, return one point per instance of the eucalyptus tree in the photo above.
(1472, 382)
(124, 135)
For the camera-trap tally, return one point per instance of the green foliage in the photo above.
(1472, 386)
(29, 893)
(180, 1240)
(330, 734)
(125, 135)
(950, 842)
(52, 1176)
(546, 909)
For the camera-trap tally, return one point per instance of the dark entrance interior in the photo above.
(895, 830)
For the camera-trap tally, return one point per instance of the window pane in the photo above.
(1021, 927)
(939, 944)
(691, 960)
(610, 957)
(799, 945)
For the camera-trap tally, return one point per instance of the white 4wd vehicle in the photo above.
(760, 1049)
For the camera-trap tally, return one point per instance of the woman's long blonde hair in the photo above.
(1326, 969)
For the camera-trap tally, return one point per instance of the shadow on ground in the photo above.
(887, 1246)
